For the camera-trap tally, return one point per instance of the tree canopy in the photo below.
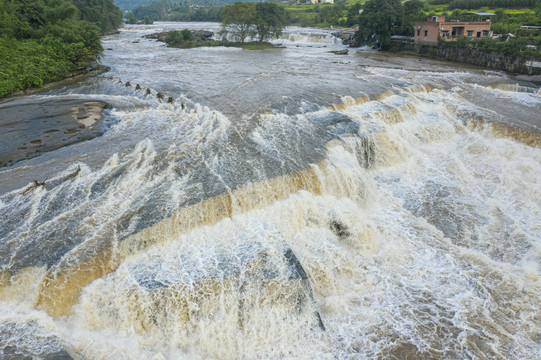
(378, 21)
(103, 13)
(43, 40)
(130, 18)
(178, 10)
(239, 20)
(131, 4)
(270, 20)
(243, 20)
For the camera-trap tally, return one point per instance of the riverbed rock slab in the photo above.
(32, 127)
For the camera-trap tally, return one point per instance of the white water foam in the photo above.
(423, 241)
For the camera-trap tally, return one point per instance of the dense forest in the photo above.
(339, 14)
(167, 6)
(510, 14)
(477, 4)
(179, 10)
(104, 13)
(126, 5)
(45, 40)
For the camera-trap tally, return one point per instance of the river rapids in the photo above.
(287, 203)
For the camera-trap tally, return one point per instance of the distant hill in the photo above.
(127, 5)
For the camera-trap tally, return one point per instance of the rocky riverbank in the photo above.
(30, 128)
(346, 34)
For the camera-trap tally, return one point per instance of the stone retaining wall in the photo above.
(522, 64)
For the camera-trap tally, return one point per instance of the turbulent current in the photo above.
(287, 203)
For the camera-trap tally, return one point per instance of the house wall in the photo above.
(426, 33)
(471, 29)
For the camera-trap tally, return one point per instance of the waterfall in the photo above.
(355, 210)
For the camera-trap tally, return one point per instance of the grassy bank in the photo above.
(31, 63)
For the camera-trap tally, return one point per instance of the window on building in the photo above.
(426, 33)
(478, 34)
(470, 33)
(445, 34)
(485, 33)
(418, 32)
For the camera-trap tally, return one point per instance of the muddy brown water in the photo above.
(288, 203)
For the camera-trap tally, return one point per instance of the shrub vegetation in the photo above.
(45, 40)
(185, 39)
(264, 20)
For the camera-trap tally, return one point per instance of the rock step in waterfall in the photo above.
(70, 266)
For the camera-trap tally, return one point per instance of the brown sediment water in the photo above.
(251, 218)
(61, 286)
(528, 137)
(349, 101)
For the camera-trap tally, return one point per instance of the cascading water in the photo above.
(289, 203)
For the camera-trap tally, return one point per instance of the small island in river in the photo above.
(187, 39)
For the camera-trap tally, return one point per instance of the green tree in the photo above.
(353, 15)
(44, 40)
(104, 13)
(331, 14)
(270, 20)
(378, 21)
(239, 19)
(175, 37)
(412, 13)
(131, 18)
(27, 18)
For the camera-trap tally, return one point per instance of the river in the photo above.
(287, 203)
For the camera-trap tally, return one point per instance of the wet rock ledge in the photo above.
(30, 128)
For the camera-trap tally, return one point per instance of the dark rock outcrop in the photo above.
(340, 52)
(345, 35)
(335, 123)
(204, 34)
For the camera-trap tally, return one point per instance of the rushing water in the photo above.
(289, 203)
